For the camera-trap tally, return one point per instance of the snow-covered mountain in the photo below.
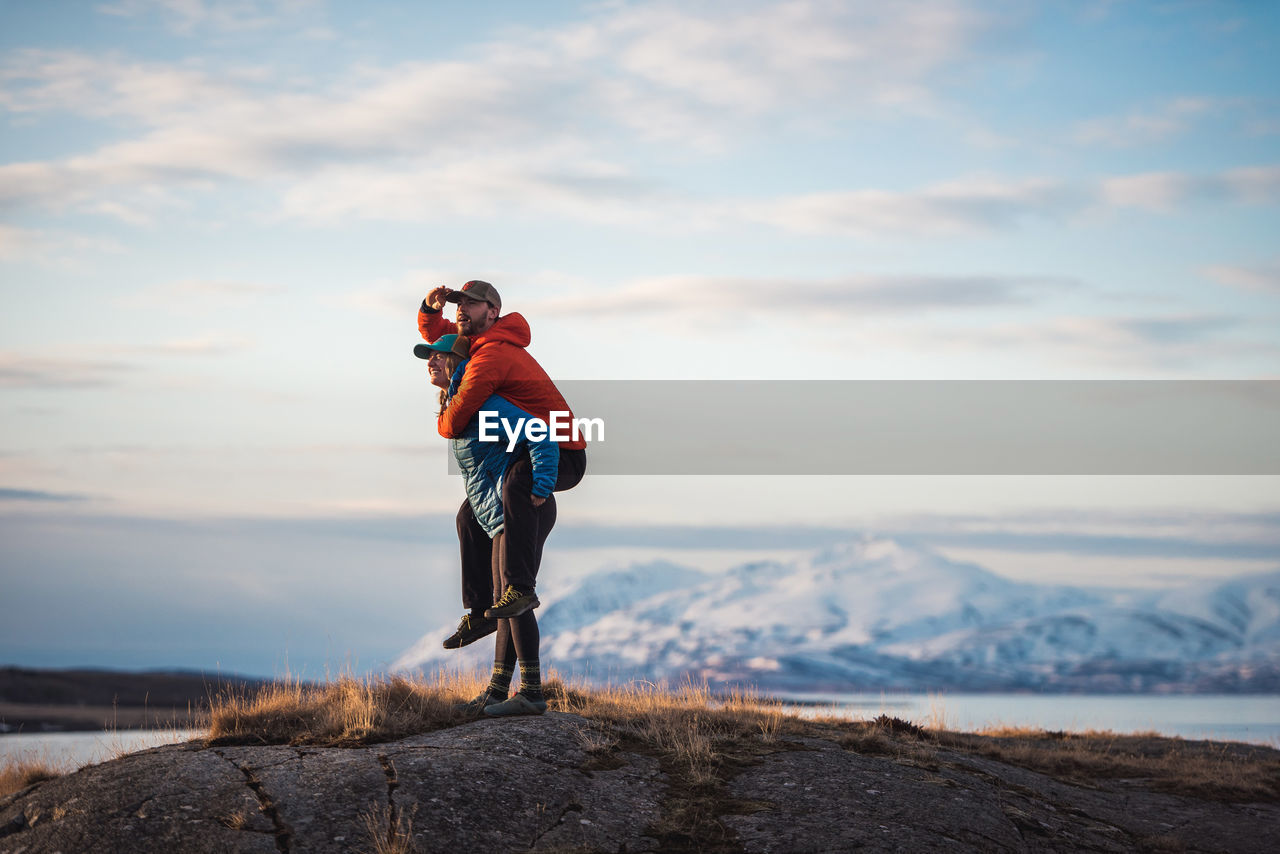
(877, 614)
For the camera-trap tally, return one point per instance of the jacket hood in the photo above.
(510, 329)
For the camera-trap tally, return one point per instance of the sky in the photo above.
(217, 220)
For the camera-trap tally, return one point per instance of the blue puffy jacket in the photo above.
(484, 463)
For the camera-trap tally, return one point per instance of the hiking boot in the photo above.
(519, 704)
(470, 630)
(474, 707)
(512, 604)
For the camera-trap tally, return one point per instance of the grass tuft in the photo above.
(17, 775)
(344, 711)
(390, 831)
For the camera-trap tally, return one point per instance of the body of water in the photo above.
(71, 750)
(1250, 718)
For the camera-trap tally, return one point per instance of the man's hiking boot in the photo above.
(512, 604)
(470, 630)
(474, 708)
(519, 704)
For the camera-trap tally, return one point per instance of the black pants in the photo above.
(525, 532)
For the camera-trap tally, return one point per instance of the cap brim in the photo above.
(424, 351)
(459, 296)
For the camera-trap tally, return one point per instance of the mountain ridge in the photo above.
(876, 614)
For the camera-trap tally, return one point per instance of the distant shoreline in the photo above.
(18, 718)
(88, 700)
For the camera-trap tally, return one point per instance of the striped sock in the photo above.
(531, 679)
(500, 681)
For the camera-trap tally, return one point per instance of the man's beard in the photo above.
(469, 327)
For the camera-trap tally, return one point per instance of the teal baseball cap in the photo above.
(458, 345)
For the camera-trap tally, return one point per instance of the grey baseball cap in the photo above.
(477, 290)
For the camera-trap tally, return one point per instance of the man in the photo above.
(499, 364)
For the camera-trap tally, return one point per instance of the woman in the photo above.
(483, 465)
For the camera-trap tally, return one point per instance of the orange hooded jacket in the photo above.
(499, 364)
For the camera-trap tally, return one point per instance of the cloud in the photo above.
(1259, 279)
(1147, 127)
(17, 241)
(1190, 344)
(543, 182)
(982, 205)
(187, 16)
(19, 371)
(209, 345)
(35, 81)
(1165, 191)
(858, 293)
(531, 125)
(202, 292)
(949, 208)
(674, 62)
(8, 494)
(1175, 330)
(49, 246)
(225, 288)
(658, 68)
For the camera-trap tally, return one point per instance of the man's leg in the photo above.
(504, 650)
(527, 527)
(524, 634)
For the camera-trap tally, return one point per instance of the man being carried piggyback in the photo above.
(499, 364)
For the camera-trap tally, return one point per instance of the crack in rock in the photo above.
(393, 782)
(16, 825)
(283, 832)
(572, 806)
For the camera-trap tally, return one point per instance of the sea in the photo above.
(1254, 719)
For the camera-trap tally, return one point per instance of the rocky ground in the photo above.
(564, 783)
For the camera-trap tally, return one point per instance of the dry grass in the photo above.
(17, 775)
(703, 738)
(390, 831)
(900, 740)
(1225, 771)
(345, 711)
(688, 724)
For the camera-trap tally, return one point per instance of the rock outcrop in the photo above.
(559, 783)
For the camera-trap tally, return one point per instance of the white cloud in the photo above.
(1259, 279)
(1149, 126)
(1164, 191)
(187, 16)
(1187, 345)
(658, 68)
(751, 57)
(17, 241)
(948, 208)
(533, 124)
(546, 181)
(36, 81)
(28, 371)
(206, 345)
(858, 294)
(49, 247)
